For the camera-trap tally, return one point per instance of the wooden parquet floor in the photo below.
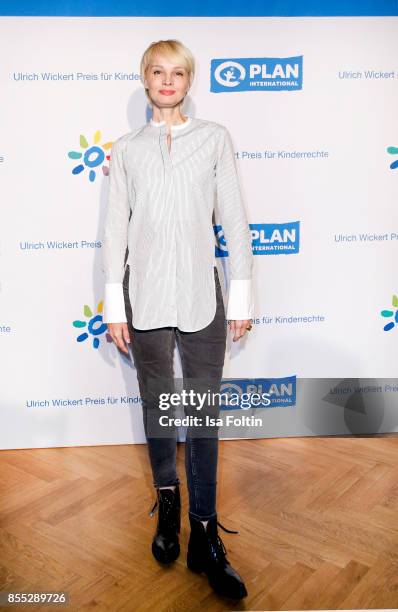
(317, 521)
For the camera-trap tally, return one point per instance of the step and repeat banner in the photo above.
(311, 104)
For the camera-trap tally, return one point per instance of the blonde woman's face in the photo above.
(167, 83)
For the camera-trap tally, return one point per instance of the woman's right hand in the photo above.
(120, 334)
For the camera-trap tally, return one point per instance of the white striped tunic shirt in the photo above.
(170, 196)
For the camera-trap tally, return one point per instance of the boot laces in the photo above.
(220, 548)
(167, 505)
(225, 529)
(217, 545)
(168, 519)
(152, 512)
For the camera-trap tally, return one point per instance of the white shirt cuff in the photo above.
(114, 307)
(240, 302)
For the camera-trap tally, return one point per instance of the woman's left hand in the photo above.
(239, 327)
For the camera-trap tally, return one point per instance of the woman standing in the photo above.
(163, 178)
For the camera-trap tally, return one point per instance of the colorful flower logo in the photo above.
(92, 156)
(393, 151)
(391, 313)
(95, 325)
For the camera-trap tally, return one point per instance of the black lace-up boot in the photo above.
(207, 553)
(165, 544)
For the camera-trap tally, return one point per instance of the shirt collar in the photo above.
(180, 126)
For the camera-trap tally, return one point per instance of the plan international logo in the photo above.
(242, 392)
(254, 73)
(267, 239)
(92, 156)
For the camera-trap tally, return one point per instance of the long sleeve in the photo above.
(236, 230)
(115, 236)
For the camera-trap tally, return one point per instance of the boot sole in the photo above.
(238, 595)
(198, 569)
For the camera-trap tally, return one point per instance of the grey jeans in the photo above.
(202, 355)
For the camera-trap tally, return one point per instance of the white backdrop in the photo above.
(315, 156)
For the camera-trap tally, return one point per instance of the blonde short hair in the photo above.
(174, 50)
